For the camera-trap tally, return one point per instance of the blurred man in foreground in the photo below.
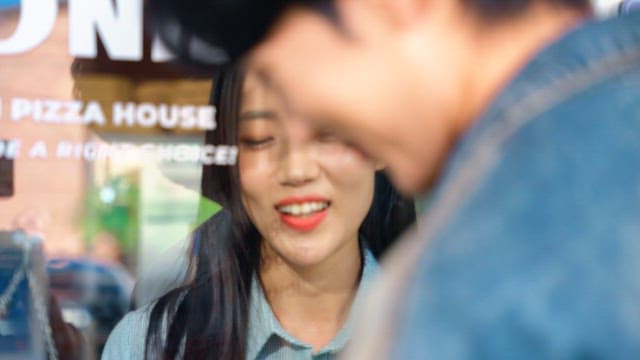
(525, 118)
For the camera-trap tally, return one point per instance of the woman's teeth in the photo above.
(303, 209)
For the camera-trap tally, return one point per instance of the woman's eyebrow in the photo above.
(258, 114)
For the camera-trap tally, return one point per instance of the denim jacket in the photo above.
(531, 246)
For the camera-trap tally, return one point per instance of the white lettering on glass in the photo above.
(37, 18)
(120, 28)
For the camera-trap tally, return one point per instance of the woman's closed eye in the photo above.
(256, 143)
(256, 130)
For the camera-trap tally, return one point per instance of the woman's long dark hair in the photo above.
(208, 316)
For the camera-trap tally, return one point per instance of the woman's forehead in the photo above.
(252, 81)
(256, 93)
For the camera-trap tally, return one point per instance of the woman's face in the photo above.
(305, 191)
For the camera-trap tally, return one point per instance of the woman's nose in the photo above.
(299, 166)
(299, 163)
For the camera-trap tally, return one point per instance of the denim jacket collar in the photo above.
(587, 54)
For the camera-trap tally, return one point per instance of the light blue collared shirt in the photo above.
(267, 339)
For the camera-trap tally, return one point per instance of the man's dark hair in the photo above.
(227, 26)
(231, 27)
(499, 9)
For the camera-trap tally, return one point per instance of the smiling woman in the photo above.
(278, 272)
(314, 187)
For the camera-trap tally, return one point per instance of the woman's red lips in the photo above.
(303, 213)
(306, 223)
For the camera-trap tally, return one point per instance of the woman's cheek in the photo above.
(254, 170)
(349, 167)
(256, 161)
(352, 159)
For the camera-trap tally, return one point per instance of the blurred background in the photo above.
(108, 200)
(100, 161)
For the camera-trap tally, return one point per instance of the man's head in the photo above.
(403, 79)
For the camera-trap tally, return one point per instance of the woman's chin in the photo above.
(306, 260)
(310, 250)
(305, 255)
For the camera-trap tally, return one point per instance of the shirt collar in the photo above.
(263, 324)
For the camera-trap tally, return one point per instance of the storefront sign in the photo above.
(118, 24)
